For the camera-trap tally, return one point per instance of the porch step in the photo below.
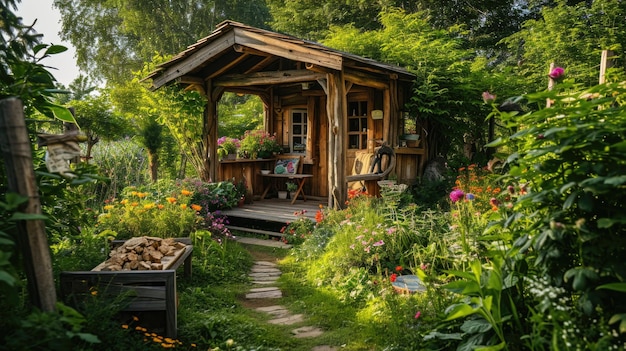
(262, 242)
(255, 231)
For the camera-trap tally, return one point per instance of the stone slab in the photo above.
(265, 263)
(264, 289)
(265, 270)
(324, 348)
(288, 320)
(264, 282)
(254, 275)
(307, 332)
(274, 294)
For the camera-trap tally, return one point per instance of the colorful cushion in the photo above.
(287, 166)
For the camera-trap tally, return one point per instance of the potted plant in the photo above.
(227, 147)
(258, 143)
(291, 188)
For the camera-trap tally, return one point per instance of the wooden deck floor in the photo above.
(275, 212)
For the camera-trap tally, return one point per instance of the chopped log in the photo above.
(156, 266)
(144, 266)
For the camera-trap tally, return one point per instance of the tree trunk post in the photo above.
(32, 240)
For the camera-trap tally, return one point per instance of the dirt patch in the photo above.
(263, 253)
(254, 303)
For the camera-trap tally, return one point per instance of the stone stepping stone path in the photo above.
(267, 273)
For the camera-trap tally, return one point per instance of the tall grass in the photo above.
(124, 163)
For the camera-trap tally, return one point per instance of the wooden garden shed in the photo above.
(322, 104)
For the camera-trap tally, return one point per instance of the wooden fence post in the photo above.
(605, 63)
(16, 150)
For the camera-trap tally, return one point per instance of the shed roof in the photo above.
(238, 50)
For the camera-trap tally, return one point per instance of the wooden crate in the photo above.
(146, 290)
(150, 290)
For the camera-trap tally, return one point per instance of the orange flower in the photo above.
(398, 268)
(196, 208)
(124, 326)
(319, 216)
(183, 206)
(142, 195)
(134, 204)
(171, 200)
(186, 192)
(160, 206)
(124, 202)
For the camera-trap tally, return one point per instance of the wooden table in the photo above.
(299, 178)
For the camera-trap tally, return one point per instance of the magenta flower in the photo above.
(418, 314)
(556, 73)
(379, 243)
(488, 97)
(456, 195)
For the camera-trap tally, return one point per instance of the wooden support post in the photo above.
(550, 84)
(32, 241)
(605, 62)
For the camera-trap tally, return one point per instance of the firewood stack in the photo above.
(141, 253)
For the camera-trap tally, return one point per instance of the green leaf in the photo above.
(90, 338)
(7, 278)
(570, 200)
(460, 311)
(61, 113)
(621, 287)
(55, 49)
(19, 216)
(476, 326)
(498, 347)
(620, 317)
(615, 181)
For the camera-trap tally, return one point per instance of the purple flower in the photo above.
(488, 97)
(556, 73)
(456, 195)
(470, 196)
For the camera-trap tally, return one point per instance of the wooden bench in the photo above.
(287, 167)
(369, 168)
(147, 291)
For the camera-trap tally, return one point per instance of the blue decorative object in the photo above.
(408, 284)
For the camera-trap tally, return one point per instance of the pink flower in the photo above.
(556, 73)
(488, 97)
(457, 195)
(418, 314)
(379, 243)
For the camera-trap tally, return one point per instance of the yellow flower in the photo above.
(171, 200)
(108, 207)
(124, 326)
(133, 193)
(148, 206)
(142, 195)
(183, 206)
(186, 192)
(124, 202)
(196, 208)
(134, 204)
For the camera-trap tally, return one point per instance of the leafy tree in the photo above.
(307, 19)
(238, 114)
(97, 120)
(113, 38)
(571, 36)
(449, 81)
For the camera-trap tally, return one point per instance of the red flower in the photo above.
(398, 268)
(319, 216)
(393, 277)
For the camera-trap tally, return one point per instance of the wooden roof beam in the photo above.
(288, 50)
(266, 78)
(228, 66)
(365, 79)
(195, 60)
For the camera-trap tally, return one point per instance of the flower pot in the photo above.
(282, 194)
(292, 194)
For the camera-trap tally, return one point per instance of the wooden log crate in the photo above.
(141, 290)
